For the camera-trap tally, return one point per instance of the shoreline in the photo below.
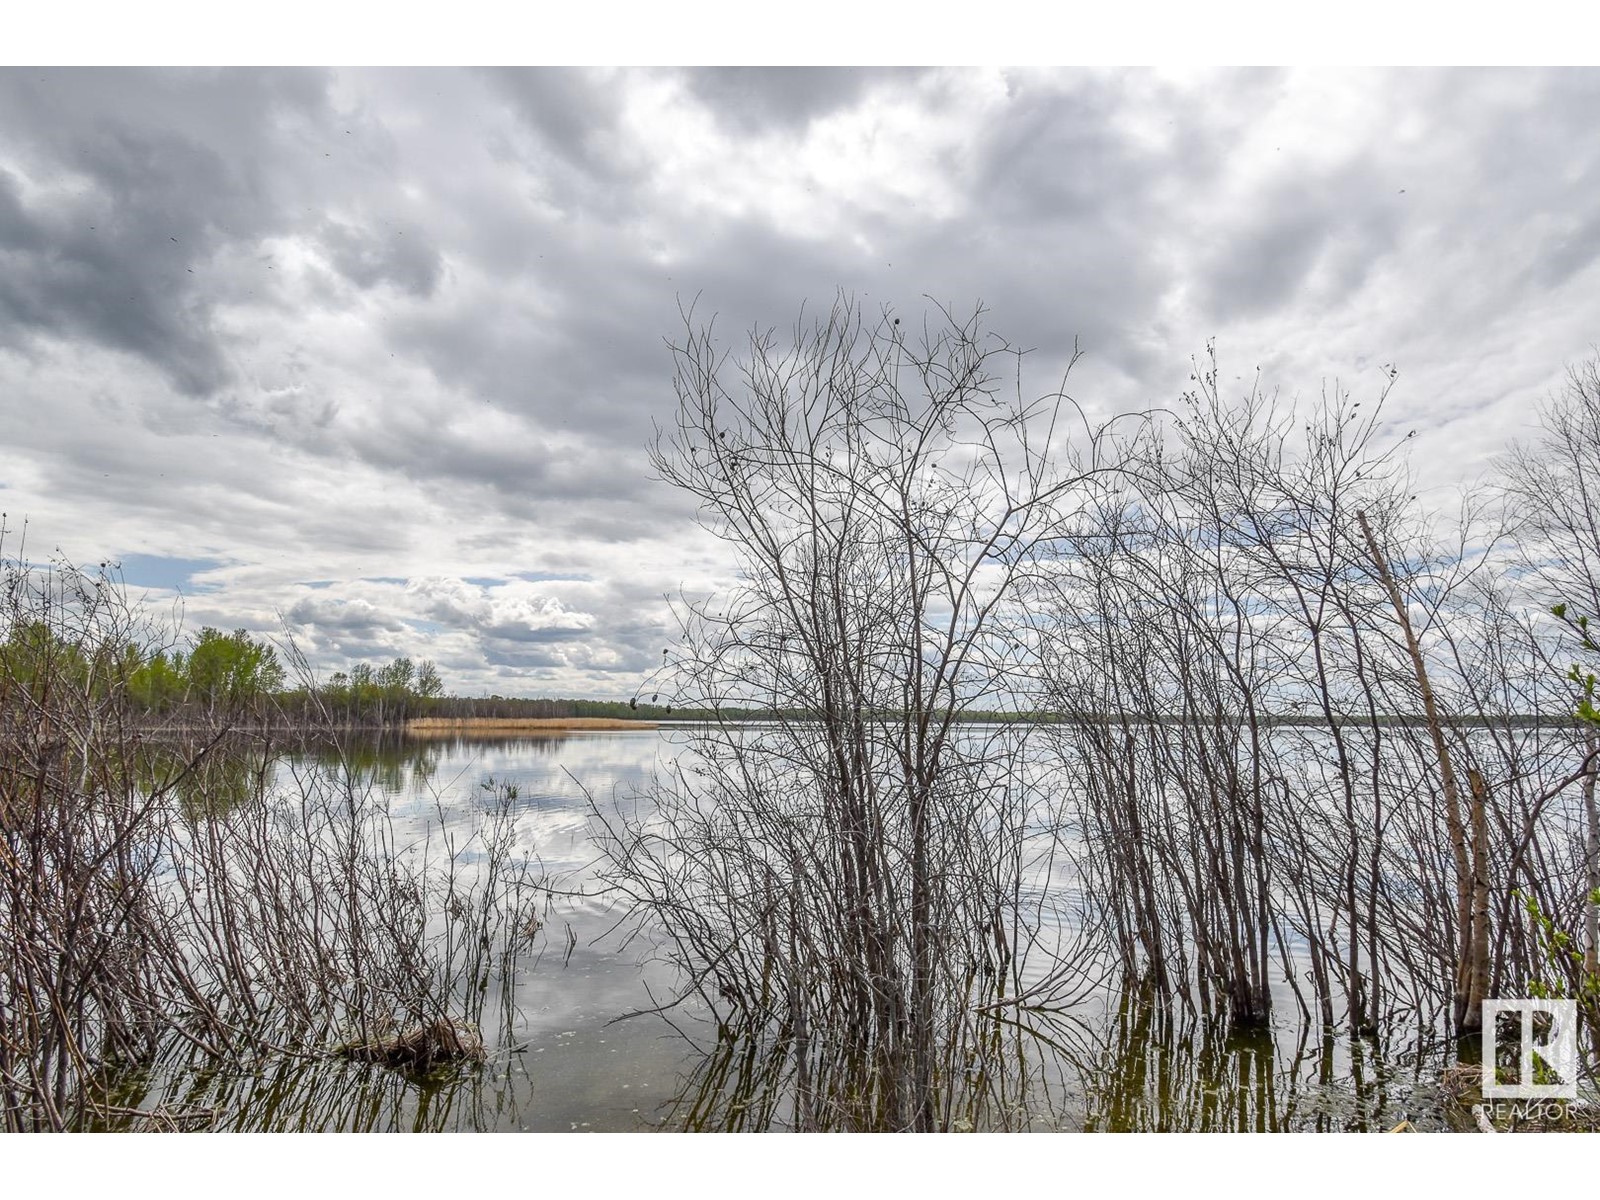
(438, 725)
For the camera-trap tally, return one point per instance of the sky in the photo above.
(371, 357)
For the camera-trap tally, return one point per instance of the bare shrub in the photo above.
(167, 908)
(861, 880)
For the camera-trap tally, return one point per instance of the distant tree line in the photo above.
(223, 675)
(382, 695)
(165, 913)
(231, 676)
(220, 672)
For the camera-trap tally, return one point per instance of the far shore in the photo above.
(440, 725)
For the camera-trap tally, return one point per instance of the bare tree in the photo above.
(1552, 487)
(169, 908)
(862, 876)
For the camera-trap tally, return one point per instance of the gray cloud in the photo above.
(137, 180)
(757, 99)
(344, 622)
(402, 332)
(574, 110)
(368, 258)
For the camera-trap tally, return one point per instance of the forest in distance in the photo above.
(238, 678)
(1011, 712)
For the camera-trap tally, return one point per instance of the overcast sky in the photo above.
(378, 352)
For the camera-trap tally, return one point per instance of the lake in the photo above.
(569, 1061)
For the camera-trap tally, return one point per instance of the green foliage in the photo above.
(231, 670)
(396, 691)
(1559, 947)
(159, 682)
(35, 656)
(429, 685)
(395, 679)
(39, 662)
(1585, 679)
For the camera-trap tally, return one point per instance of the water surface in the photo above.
(573, 1059)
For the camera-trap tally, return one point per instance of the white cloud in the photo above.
(349, 327)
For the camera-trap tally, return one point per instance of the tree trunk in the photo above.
(1591, 946)
(1452, 800)
(1477, 966)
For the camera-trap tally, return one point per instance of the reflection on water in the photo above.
(567, 1063)
(1157, 1072)
(289, 1095)
(1016, 1080)
(556, 1065)
(1135, 1069)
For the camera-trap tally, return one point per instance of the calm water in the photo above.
(568, 1062)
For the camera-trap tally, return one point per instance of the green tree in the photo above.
(429, 684)
(156, 682)
(35, 656)
(395, 678)
(228, 670)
